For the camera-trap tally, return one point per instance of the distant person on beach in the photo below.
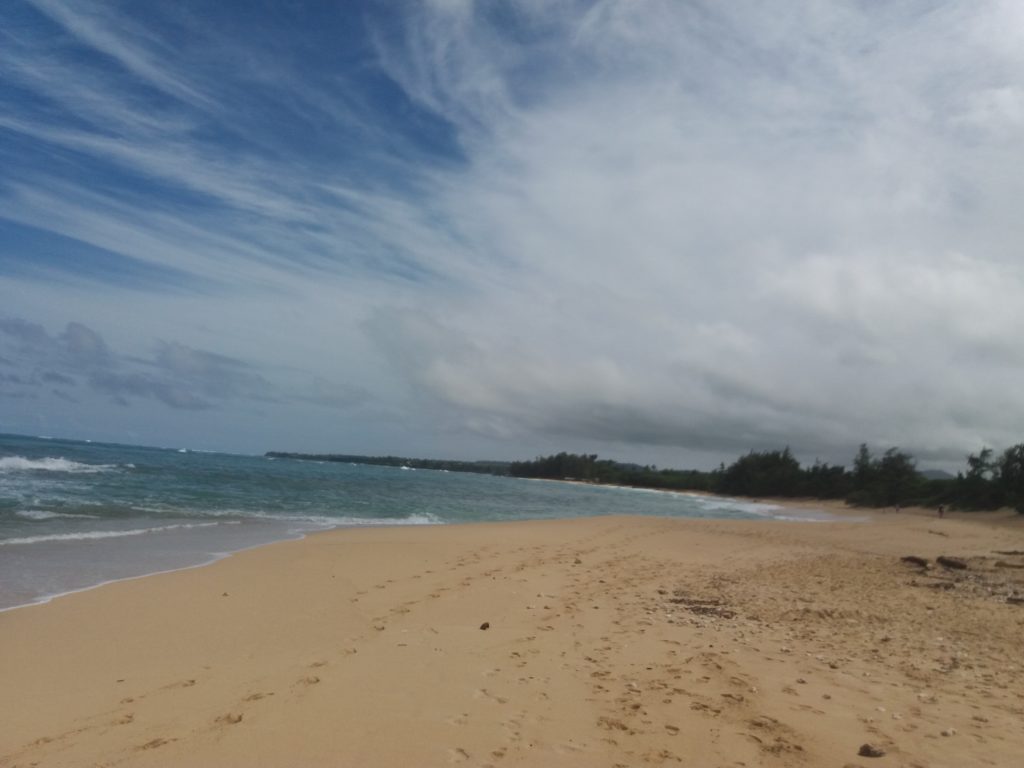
(942, 510)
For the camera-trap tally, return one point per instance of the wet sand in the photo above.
(609, 642)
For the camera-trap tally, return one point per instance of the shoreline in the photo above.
(839, 507)
(215, 557)
(837, 510)
(629, 640)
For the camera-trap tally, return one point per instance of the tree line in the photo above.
(891, 479)
(449, 465)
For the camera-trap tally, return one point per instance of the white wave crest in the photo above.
(327, 521)
(91, 535)
(50, 464)
(727, 504)
(42, 514)
(423, 519)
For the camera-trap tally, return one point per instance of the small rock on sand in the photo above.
(949, 732)
(951, 562)
(915, 560)
(870, 750)
(485, 625)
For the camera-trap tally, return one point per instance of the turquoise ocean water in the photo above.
(76, 514)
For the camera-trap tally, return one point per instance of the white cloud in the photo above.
(144, 55)
(679, 229)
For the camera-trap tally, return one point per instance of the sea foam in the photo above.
(42, 514)
(50, 464)
(89, 535)
(326, 521)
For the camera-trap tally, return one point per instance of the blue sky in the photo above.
(662, 231)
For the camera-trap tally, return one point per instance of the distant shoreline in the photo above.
(837, 507)
(874, 482)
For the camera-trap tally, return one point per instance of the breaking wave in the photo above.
(50, 464)
(42, 514)
(327, 521)
(89, 535)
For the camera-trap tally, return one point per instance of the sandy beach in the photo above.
(613, 641)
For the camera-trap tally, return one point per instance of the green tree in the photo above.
(897, 478)
(863, 468)
(767, 473)
(978, 489)
(892, 479)
(1011, 477)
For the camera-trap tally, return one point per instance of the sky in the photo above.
(666, 232)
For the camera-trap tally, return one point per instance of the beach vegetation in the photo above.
(891, 479)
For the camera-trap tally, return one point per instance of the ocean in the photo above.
(77, 514)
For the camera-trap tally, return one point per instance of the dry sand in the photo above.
(611, 642)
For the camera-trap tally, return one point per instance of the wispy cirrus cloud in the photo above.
(138, 50)
(685, 229)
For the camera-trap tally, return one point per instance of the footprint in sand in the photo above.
(180, 684)
(154, 743)
(231, 718)
(613, 724)
(458, 755)
(483, 693)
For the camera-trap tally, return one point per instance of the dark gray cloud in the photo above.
(65, 396)
(333, 395)
(29, 335)
(84, 347)
(19, 395)
(217, 376)
(121, 386)
(177, 375)
(52, 377)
